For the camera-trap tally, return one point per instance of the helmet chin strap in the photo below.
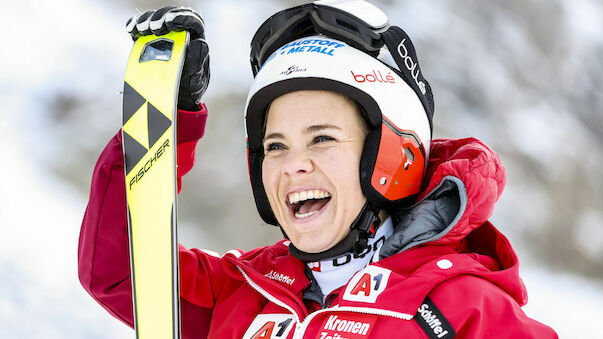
(356, 241)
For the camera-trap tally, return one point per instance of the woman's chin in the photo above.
(310, 248)
(313, 244)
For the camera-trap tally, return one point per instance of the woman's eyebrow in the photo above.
(308, 130)
(274, 136)
(317, 128)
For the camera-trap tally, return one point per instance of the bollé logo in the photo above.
(411, 65)
(375, 76)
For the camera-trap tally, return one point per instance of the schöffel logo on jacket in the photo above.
(280, 277)
(432, 321)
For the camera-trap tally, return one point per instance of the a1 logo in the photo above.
(270, 326)
(367, 284)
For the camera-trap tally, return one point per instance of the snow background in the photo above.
(80, 46)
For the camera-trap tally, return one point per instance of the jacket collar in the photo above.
(482, 174)
(486, 254)
(464, 179)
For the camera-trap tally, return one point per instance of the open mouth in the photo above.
(305, 204)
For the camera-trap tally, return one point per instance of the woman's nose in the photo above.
(297, 162)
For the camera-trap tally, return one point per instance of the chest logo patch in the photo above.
(367, 284)
(270, 326)
(348, 326)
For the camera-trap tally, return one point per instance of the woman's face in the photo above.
(312, 146)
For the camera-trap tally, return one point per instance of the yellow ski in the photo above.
(149, 142)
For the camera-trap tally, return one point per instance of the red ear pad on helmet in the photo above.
(392, 165)
(399, 167)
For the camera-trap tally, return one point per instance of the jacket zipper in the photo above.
(300, 326)
(328, 300)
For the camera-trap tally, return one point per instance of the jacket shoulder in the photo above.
(476, 308)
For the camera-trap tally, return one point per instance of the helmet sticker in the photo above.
(374, 76)
(319, 42)
(293, 69)
(322, 46)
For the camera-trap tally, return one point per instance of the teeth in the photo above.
(305, 195)
(305, 215)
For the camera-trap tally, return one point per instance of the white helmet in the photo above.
(346, 47)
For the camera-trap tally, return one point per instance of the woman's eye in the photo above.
(273, 146)
(322, 138)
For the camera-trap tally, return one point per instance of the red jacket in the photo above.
(462, 281)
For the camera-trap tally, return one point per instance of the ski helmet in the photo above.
(346, 47)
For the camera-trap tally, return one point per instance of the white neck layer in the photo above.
(333, 273)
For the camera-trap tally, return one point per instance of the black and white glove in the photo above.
(195, 72)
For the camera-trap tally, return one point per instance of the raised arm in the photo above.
(103, 254)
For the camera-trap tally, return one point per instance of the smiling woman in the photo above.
(386, 230)
(312, 150)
